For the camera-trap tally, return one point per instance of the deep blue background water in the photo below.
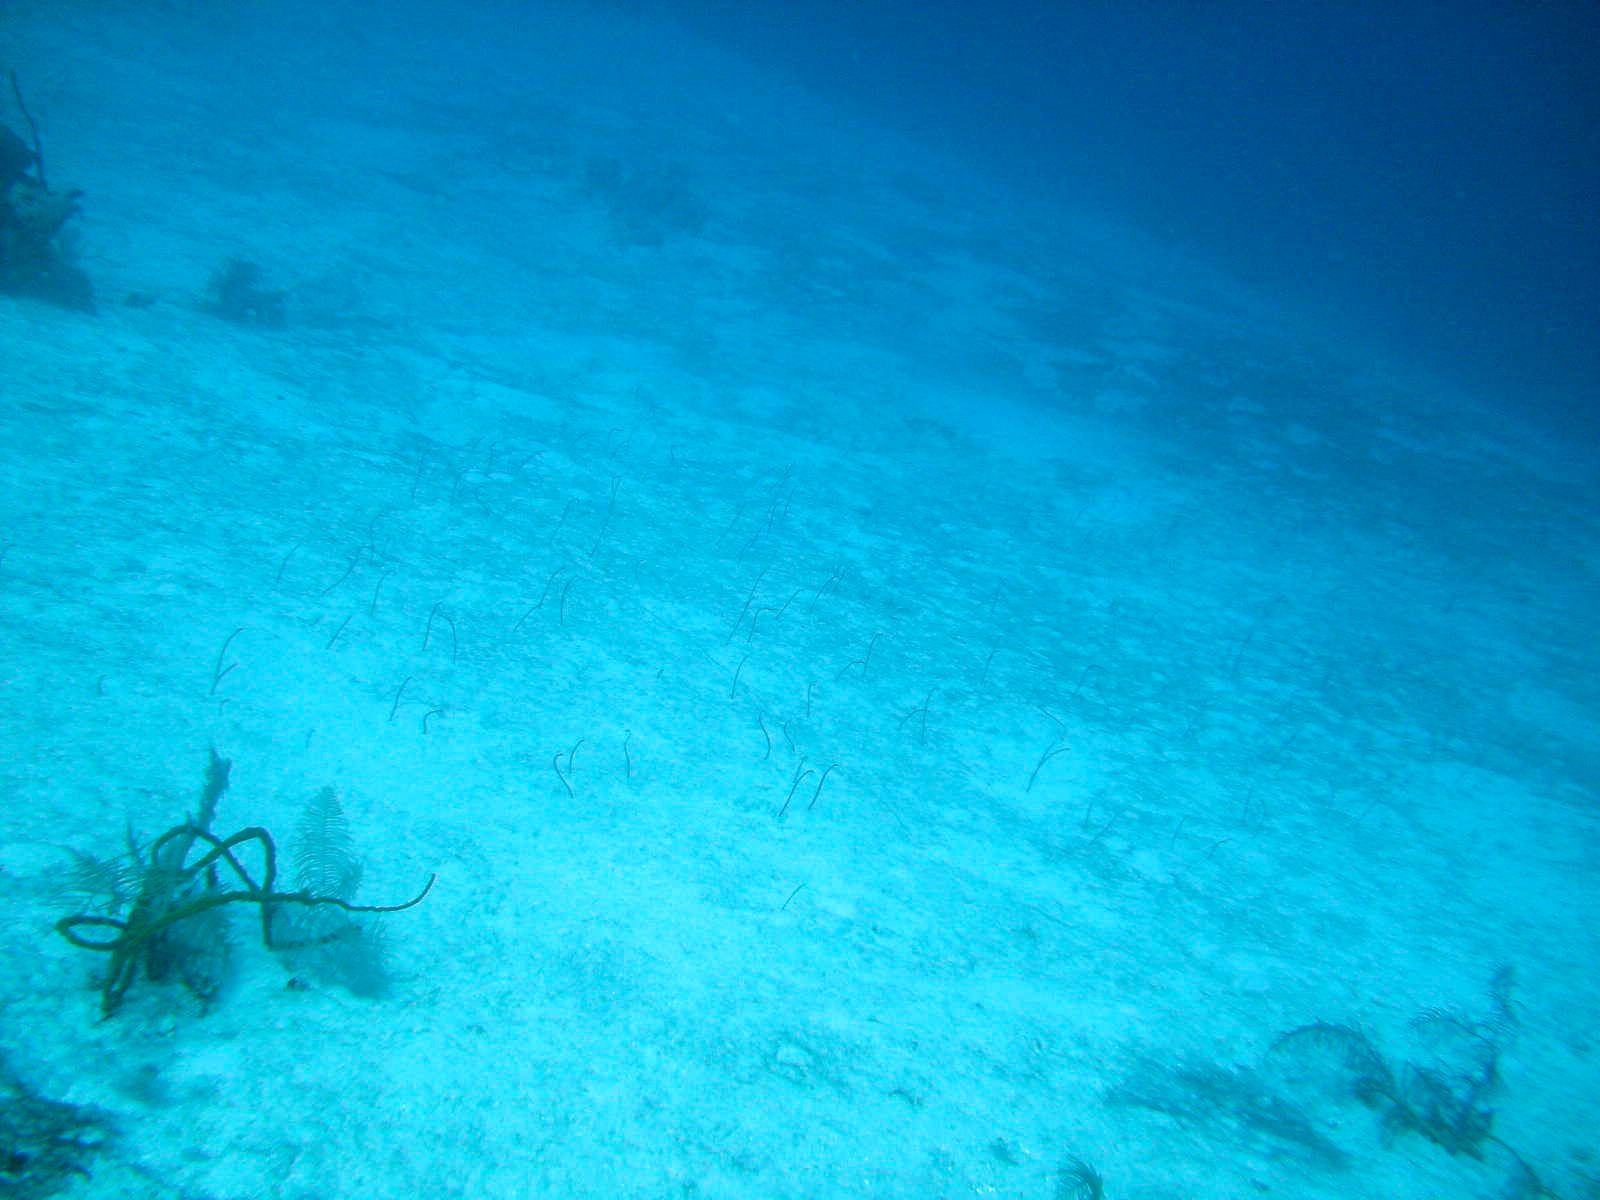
(1425, 175)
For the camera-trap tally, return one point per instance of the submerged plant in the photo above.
(45, 1144)
(188, 876)
(1078, 1180)
(1446, 1099)
(327, 943)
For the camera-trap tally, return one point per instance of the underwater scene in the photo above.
(851, 600)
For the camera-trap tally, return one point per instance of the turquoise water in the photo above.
(906, 683)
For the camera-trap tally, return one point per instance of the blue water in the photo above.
(1422, 176)
(954, 602)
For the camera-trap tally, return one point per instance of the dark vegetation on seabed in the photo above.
(36, 246)
(236, 293)
(162, 909)
(1290, 1100)
(44, 1144)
